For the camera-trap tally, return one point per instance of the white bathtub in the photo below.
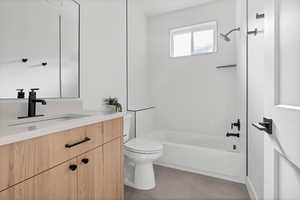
(198, 153)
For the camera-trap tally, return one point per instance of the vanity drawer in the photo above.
(22, 160)
(70, 143)
(112, 129)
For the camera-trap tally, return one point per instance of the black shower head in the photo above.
(225, 36)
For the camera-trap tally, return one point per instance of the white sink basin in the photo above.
(45, 120)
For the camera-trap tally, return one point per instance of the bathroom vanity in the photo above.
(46, 156)
(68, 159)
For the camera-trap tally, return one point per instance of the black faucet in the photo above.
(32, 100)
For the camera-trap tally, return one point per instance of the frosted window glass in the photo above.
(182, 44)
(203, 42)
(193, 40)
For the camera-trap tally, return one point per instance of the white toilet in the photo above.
(139, 157)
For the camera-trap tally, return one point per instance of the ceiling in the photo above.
(157, 7)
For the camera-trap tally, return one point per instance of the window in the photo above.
(193, 40)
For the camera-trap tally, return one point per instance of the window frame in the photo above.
(210, 25)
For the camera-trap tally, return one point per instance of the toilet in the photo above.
(139, 157)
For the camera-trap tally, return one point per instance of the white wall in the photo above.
(103, 52)
(138, 71)
(189, 92)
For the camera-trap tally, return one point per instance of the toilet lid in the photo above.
(143, 146)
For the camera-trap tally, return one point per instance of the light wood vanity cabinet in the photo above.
(57, 183)
(90, 175)
(113, 160)
(90, 136)
(71, 165)
(22, 160)
(112, 129)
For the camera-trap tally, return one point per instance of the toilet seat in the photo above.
(143, 146)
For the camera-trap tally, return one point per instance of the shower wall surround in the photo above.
(193, 100)
(189, 92)
(139, 72)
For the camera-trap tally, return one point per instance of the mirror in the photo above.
(39, 48)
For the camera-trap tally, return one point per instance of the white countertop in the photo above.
(13, 134)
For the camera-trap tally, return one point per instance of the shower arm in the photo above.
(236, 29)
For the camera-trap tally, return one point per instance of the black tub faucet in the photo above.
(233, 135)
(32, 100)
(236, 124)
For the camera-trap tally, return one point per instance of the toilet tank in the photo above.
(127, 124)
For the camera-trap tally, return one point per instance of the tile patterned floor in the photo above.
(173, 184)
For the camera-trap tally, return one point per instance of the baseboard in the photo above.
(251, 189)
(233, 179)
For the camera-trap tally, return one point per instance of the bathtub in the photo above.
(198, 153)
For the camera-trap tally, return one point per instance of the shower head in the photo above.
(226, 36)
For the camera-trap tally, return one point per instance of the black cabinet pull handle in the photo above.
(86, 139)
(73, 167)
(85, 160)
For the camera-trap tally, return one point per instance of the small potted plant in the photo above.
(115, 103)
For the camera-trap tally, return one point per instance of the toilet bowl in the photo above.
(139, 157)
